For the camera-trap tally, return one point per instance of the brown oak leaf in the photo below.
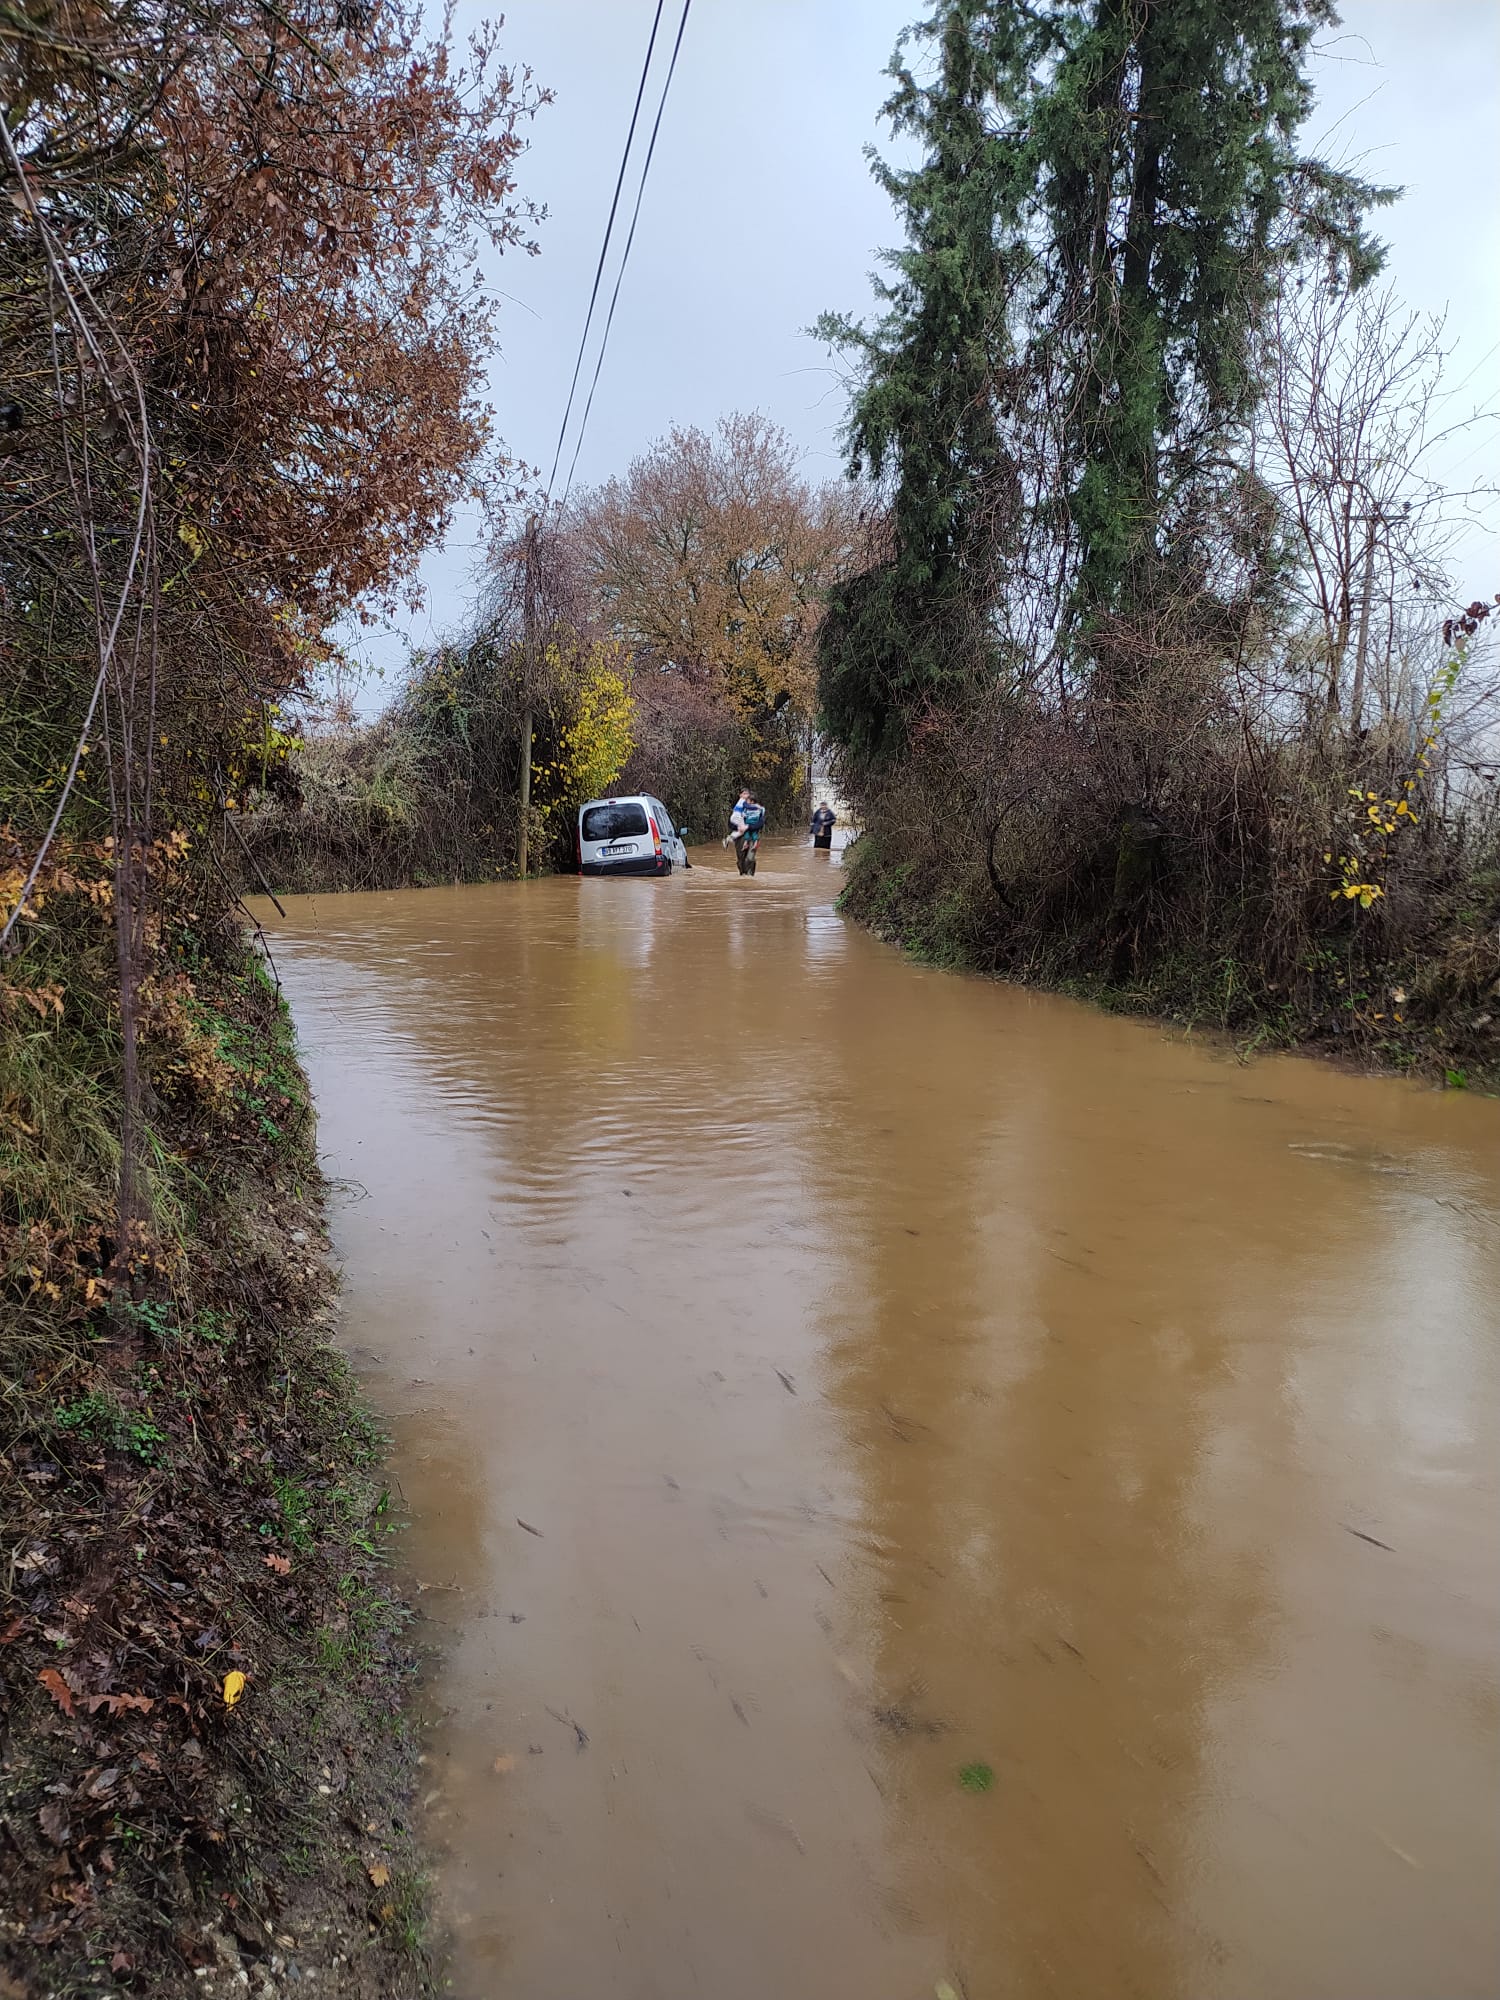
(58, 1688)
(116, 1702)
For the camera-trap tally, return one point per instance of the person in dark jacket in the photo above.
(823, 822)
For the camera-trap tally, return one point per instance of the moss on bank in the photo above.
(1435, 1016)
(191, 1493)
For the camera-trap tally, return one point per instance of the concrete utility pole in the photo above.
(1375, 520)
(528, 668)
(1357, 692)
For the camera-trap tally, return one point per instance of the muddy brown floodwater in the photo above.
(919, 1485)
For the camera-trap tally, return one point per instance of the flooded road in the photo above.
(921, 1487)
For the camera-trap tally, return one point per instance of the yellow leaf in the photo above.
(505, 1763)
(234, 1687)
(380, 1875)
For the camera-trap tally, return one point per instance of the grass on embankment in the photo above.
(205, 1771)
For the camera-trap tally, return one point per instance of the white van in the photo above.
(629, 836)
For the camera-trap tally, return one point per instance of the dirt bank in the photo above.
(1437, 1016)
(205, 1768)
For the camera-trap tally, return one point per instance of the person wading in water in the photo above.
(823, 822)
(745, 823)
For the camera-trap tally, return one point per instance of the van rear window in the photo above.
(613, 822)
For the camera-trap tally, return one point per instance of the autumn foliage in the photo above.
(243, 364)
(273, 215)
(242, 354)
(713, 554)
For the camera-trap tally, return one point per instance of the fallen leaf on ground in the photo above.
(58, 1688)
(281, 1564)
(505, 1763)
(380, 1875)
(53, 1821)
(944, 1991)
(234, 1687)
(116, 1702)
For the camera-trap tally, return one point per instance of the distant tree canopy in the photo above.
(1107, 192)
(713, 555)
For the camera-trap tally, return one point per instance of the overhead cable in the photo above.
(604, 246)
(625, 258)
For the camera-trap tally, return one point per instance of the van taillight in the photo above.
(651, 822)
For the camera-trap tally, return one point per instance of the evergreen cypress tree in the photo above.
(925, 416)
(1106, 190)
(1168, 187)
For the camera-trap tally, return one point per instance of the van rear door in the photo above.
(614, 830)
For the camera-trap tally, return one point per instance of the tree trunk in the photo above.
(1140, 357)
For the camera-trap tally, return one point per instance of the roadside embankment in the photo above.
(1123, 916)
(205, 1768)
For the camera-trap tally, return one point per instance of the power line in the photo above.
(625, 259)
(604, 246)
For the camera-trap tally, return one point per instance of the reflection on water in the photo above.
(918, 1482)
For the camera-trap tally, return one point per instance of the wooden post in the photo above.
(521, 856)
(529, 669)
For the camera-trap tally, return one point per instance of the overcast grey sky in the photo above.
(760, 213)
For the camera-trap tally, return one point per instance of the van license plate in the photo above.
(616, 849)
